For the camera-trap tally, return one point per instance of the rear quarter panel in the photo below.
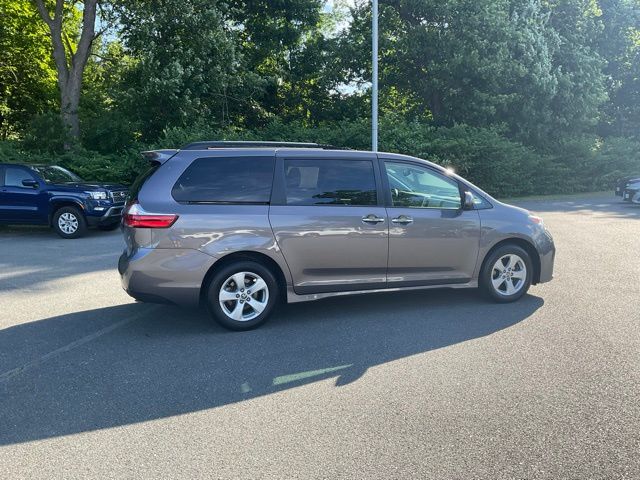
(216, 230)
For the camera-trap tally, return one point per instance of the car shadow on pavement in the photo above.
(131, 363)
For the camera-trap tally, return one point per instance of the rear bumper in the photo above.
(164, 275)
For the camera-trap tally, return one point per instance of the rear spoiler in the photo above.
(159, 156)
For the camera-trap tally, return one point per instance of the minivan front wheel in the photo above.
(242, 295)
(506, 275)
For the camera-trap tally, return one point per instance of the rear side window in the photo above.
(330, 182)
(226, 180)
(139, 182)
(14, 176)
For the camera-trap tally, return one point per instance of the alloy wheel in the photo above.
(243, 296)
(509, 275)
(68, 223)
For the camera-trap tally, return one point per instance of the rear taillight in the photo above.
(136, 216)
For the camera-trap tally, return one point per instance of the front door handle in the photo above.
(403, 220)
(372, 219)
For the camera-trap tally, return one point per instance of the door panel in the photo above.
(329, 222)
(432, 240)
(18, 203)
(331, 249)
(439, 246)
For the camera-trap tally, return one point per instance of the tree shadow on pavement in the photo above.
(132, 363)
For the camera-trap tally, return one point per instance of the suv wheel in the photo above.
(241, 296)
(506, 275)
(69, 222)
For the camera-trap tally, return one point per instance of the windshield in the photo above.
(55, 174)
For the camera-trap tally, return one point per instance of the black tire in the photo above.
(488, 274)
(223, 278)
(107, 227)
(77, 221)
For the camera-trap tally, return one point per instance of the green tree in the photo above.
(284, 42)
(186, 64)
(578, 68)
(619, 44)
(71, 41)
(27, 76)
(527, 64)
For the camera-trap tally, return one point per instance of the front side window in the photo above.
(13, 177)
(330, 182)
(413, 186)
(226, 180)
(55, 174)
(479, 202)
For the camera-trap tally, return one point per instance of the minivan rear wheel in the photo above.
(506, 274)
(241, 296)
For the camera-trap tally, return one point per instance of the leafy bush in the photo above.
(616, 157)
(485, 156)
(89, 165)
(482, 155)
(591, 164)
(46, 133)
(108, 131)
(121, 168)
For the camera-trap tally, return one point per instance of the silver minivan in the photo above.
(239, 226)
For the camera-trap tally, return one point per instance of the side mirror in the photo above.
(468, 201)
(30, 183)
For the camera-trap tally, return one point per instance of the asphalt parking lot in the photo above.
(432, 384)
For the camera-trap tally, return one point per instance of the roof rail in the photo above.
(258, 144)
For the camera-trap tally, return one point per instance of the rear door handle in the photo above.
(402, 220)
(372, 219)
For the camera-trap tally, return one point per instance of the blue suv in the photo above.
(52, 195)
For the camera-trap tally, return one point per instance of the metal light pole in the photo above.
(374, 82)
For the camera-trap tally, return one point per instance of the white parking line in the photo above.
(70, 346)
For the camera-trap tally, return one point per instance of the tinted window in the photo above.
(13, 176)
(413, 186)
(139, 181)
(330, 182)
(226, 180)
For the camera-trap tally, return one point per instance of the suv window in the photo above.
(226, 180)
(56, 174)
(413, 186)
(330, 182)
(13, 177)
